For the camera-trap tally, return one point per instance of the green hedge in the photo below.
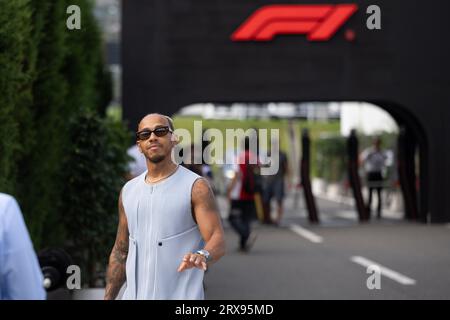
(331, 157)
(15, 92)
(96, 166)
(54, 90)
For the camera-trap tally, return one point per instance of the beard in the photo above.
(156, 158)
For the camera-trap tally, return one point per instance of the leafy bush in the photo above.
(331, 155)
(15, 79)
(59, 157)
(95, 169)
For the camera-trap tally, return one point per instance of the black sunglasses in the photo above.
(146, 133)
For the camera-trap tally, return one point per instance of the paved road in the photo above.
(285, 263)
(329, 261)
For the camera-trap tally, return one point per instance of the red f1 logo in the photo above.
(318, 22)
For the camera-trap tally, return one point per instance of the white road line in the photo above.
(311, 236)
(394, 275)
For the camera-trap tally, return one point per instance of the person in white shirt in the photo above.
(374, 161)
(138, 164)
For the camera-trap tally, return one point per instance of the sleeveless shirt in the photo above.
(162, 231)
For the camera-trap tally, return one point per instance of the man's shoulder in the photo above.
(201, 191)
(133, 183)
(188, 173)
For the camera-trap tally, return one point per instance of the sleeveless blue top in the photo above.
(162, 231)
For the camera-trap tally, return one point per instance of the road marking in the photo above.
(311, 236)
(394, 275)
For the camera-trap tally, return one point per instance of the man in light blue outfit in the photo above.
(20, 274)
(169, 228)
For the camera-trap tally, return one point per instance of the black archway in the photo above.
(411, 137)
(178, 53)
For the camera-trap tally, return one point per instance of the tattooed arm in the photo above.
(209, 222)
(115, 276)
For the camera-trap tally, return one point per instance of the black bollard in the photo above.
(406, 172)
(305, 176)
(353, 176)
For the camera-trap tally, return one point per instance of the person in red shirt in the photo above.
(241, 194)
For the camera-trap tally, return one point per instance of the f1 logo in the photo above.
(318, 22)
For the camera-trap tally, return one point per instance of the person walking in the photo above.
(241, 194)
(374, 160)
(274, 187)
(169, 229)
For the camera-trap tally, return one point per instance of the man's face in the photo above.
(155, 149)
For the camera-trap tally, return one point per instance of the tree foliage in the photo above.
(59, 155)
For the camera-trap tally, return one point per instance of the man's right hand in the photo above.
(192, 260)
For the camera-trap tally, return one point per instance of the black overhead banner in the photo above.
(175, 53)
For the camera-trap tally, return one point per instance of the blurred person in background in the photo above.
(374, 162)
(20, 274)
(202, 169)
(189, 161)
(274, 185)
(241, 194)
(137, 164)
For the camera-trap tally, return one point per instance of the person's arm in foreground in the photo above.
(21, 276)
(210, 225)
(115, 275)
